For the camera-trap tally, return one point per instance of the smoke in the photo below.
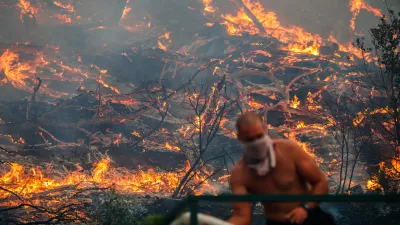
(95, 24)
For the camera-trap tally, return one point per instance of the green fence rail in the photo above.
(192, 201)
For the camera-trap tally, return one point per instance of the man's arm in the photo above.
(309, 170)
(241, 210)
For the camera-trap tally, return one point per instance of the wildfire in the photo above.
(118, 140)
(22, 73)
(184, 130)
(373, 183)
(358, 119)
(254, 104)
(63, 18)
(311, 103)
(175, 148)
(128, 101)
(295, 103)
(208, 6)
(68, 7)
(348, 48)
(135, 133)
(102, 82)
(396, 164)
(390, 169)
(312, 48)
(15, 71)
(298, 40)
(26, 8)
(164, 40)
(306, 148)
(31, 181)
(126, 10)
(302, 125)
(362, 115)
(355, 8)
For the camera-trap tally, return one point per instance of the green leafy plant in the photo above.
(114, 210)
(154, 220)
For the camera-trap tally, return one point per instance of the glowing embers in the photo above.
(389, 170)
(39, 11)
(208, 5)
(164, 41)
(172, 147)
(126, 11)
(67, 7)
(254, 103)
(10, 138)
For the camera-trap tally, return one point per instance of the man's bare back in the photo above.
(292, 171)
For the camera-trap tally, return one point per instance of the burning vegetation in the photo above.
(152, 114)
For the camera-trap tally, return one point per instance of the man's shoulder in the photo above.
(239, 166)
(280, 142)
(287, 146)
(237, 171)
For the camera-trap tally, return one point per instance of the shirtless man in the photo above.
(275, 167)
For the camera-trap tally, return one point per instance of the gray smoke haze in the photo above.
(183, 18)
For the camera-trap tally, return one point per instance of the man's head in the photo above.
(256, 143)
(250, 127)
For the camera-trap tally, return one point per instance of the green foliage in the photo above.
(382, 74)
(386, 42)
(113, 210)
(159, 219)
(154, 220)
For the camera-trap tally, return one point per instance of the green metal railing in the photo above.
(192, 201)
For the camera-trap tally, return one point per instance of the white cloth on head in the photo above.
(263, 150)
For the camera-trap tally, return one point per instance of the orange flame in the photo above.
(310, 151)
(373, 183)
(27, 182)
(135, 133)
(126, 10)
(299, 41)
(295, 103)
(254, 104)
(175, 148)
(208, 6)
(164, 40)
(68, 6)
(26, 8)
(355, 8)
(14, 70)
(22, 73)
(63, 18)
